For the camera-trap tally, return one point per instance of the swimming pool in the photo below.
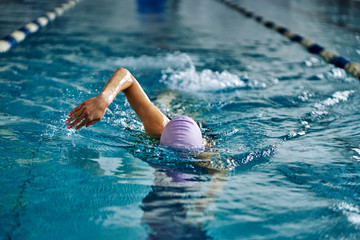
(283, 123)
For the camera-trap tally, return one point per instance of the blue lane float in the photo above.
(331, 57)
(19, 35)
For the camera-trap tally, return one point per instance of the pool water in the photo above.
(283, 125)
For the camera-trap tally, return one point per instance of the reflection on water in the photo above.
(180, 202)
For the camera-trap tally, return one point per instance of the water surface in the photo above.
(283, 124)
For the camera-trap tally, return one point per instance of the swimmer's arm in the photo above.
(93, 109)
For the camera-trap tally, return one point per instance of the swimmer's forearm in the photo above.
(119, 81)
(152, 118)
(93, 109)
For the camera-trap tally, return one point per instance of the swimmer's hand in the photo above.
(92, 110)
(87, 113)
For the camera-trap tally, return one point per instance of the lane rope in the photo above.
(19, 35)
(329, 56)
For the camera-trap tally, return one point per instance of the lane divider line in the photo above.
(329, 56)
(19, 35)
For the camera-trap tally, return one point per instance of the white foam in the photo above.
(312, 62)
(191, 80)
(337, 97)
(305, 96)
(357, 150)
(179, 72)
(351, 212)
(186, 77)
(337, 73)
(334, 99)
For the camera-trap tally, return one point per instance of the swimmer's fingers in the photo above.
(87, 113)
(74, 115)
(91, 123)
(75, 110)
(83, 122)
(76, 121)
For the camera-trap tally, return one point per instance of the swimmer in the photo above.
(180, 132)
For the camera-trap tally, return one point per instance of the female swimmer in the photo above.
(180, 132)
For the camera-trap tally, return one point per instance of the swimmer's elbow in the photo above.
(153, 128)
(153, 132)
(122, 70)
(125, 74)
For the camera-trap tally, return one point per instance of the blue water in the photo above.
(283, 126)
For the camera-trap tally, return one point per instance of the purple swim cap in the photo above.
(182, 132)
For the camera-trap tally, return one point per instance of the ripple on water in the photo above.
(352, 212)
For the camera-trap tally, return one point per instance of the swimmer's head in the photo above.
(182, 132)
